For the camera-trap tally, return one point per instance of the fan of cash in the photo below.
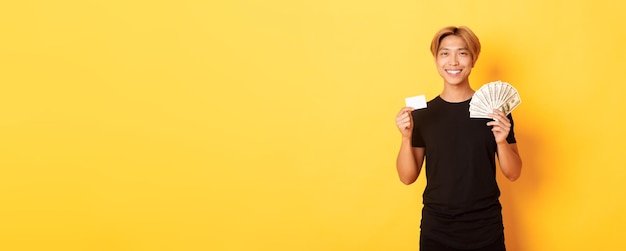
(495, 95)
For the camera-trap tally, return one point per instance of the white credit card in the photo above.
(417, 102)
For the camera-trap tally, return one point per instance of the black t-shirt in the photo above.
(461, 205)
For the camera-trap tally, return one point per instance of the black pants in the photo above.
(432, 245)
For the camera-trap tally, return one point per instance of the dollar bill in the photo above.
(495, 95)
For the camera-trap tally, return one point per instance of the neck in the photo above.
(457, 93)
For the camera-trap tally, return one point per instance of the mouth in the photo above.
(453, 72)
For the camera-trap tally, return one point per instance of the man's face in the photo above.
(454, 61)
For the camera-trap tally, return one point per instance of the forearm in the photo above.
(406, 164)
(510, 161)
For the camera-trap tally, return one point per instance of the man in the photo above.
(461, 200)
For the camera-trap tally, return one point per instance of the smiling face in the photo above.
(454, 60)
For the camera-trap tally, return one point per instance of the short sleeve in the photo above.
(511, 138)
(416, 136)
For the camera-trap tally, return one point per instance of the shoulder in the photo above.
(431, 106)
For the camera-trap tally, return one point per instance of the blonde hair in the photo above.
(473, 44)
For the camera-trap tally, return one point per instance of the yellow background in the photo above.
(269, 125)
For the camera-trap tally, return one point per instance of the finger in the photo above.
(403, 117)
(408, 121)
(403, 113)
(497, 130)
(404, 120)
(500, 124)
(404, 125)
(500, 115)
(497, 111)
(406, 109)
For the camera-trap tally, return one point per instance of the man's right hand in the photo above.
(404, 121)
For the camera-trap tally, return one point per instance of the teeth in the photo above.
(453, 71)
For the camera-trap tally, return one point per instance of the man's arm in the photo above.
(510, 161)
(410, 159)
(508, 155)
(409, 162)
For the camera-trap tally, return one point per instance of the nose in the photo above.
(454, 59)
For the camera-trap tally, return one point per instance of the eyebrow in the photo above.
(461, 49)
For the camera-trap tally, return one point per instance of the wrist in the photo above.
(406, 139)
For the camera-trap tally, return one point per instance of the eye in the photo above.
(463, 53)
(443, 53)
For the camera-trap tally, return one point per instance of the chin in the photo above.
(454, 82)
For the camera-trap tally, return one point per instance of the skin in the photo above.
(454, 63)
